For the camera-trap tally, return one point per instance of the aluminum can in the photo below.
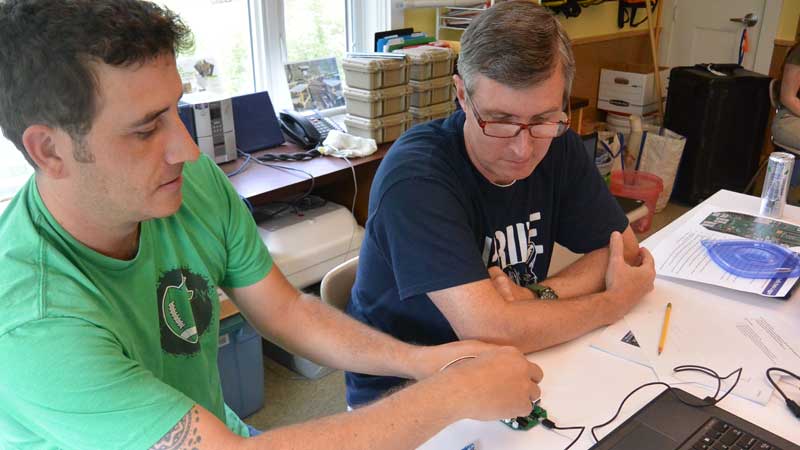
(776, 184)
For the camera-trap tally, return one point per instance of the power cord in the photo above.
(793, 406)
(245, 163)
(353, 207)
(708, 401)
(299, 156)
(549, 424)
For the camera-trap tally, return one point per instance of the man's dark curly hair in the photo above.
(48, 49)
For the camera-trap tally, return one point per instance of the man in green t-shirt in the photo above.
(111, 254)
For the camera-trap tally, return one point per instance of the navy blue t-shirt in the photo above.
(435, 222)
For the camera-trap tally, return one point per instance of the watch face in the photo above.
(543, 292)
(548, 294)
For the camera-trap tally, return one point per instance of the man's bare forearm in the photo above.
(533, 325)
(336, 340)
(584, 276)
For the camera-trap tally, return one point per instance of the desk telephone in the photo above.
(307, 129)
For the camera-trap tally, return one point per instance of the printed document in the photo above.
(712, 332)
(681, 254)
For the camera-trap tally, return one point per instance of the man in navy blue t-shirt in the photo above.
(464, 212)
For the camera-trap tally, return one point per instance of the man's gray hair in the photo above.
(517, 44)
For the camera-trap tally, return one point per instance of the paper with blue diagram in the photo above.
(687, 253)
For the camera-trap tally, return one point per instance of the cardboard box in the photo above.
(630, 89)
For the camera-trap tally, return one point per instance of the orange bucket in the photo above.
(638, 185)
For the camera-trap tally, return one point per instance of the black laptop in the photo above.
(667, 424)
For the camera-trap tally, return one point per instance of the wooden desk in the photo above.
(333, 178)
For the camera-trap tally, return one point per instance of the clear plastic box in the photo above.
(431, 92)
(372, 73)
(378, 102)
(428, 62)
(382, 129)
(438, 111)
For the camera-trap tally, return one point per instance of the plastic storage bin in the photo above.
(241, 368)
(370, 73)
(383, 129)
(428, 62)
(438, 111)
(376, 103)
(638, 185)
(431, 92)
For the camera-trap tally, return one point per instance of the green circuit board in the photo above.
(525, 423)
(751, 227)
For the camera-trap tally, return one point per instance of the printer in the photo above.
(308, 244)
(305, 246)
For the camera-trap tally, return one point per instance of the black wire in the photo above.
(774, 384)
(708, 401)
(291, 202)
(299, 156)
(555, 427)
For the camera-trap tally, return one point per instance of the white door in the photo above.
(709, 31)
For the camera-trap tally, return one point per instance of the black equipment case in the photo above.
(723, 119)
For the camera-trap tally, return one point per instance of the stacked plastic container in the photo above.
(431, 82)
(377, 97)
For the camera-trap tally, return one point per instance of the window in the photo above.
(248, 42)
(315, 29)
(221, 31)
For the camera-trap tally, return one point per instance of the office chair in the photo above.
(337, 283)
(775, 101)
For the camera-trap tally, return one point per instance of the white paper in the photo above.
(619, 340)
(681, 255)
(720, 336)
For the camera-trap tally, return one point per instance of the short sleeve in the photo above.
(248, 258)
(80, 391)
(588, 213)
(422, 227)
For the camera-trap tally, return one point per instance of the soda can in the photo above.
(776, 184)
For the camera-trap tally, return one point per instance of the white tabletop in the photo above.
(584, 386)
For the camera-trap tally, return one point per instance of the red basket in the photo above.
(640, 186)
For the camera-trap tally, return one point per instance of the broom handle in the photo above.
(654, 52)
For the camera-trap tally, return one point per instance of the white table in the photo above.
(584, 386)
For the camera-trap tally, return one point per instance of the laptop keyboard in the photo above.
(720, 435)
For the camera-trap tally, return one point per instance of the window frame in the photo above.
(268, 38)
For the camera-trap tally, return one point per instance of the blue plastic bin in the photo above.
(241, 367)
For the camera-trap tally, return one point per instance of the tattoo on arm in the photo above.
(184, 435)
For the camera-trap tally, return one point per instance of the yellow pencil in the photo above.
(664, 328)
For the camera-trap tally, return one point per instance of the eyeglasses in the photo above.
(541, 130)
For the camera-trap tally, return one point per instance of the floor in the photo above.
(291, 398)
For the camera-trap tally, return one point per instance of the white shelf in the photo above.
(444, 16)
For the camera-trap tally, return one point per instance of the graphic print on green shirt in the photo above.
(184, 310)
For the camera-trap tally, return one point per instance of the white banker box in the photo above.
(629, 89)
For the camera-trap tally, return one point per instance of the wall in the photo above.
(594, 21)
(787, 27)
(597, 42)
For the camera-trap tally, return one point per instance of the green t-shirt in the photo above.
(103, 353)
